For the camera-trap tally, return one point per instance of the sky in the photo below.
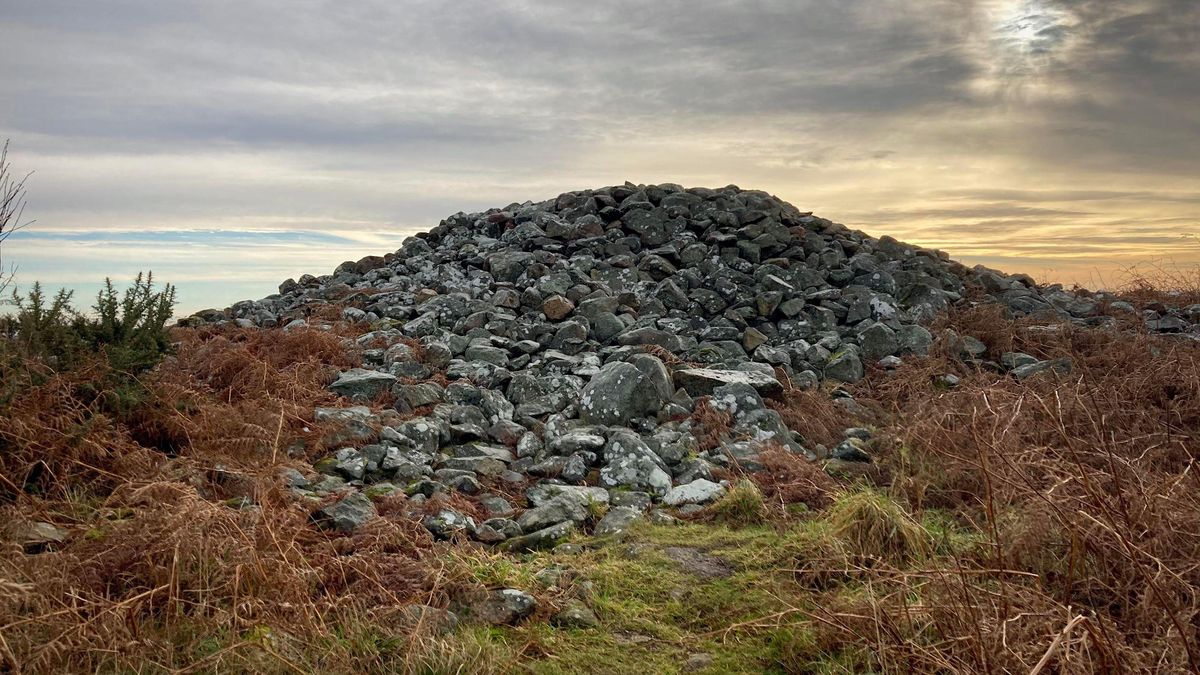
(228, 145)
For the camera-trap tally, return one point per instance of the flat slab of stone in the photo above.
(697, 562)
(702, 381)
(699, 491)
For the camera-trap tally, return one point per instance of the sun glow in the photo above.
(1028, 28)
(1025, 39)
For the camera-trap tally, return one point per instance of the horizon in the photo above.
(218, 148)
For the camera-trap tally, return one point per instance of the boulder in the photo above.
(703, 381)
(618, 393)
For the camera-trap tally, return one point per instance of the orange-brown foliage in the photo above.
(1083, 485)
(156, 555)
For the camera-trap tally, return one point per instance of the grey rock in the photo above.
(541, 539)
(1061, 366)
(565, 507)
(631, 498)
(362, 385)
(447, 523)
(629, 463)
(347, 514)
(845, 365)
(427, 620)
(505, 606)
(703, 381)
(699, 491)
(618, 393)
(575, 615)
(618, 520)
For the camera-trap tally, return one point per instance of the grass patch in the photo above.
(743, 505)
(874, 526)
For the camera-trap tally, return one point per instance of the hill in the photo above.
(634, 427)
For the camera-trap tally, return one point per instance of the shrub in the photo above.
(128, 331)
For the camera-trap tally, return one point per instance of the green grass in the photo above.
(742, 505)
(654, 614)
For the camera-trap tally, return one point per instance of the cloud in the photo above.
(946, 121)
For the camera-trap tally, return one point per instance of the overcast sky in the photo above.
(229, 145)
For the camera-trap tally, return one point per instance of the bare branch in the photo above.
(12, 208)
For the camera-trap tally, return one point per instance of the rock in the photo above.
(914, 339)
(618, 393)
(419, 395)
(541, 539)
(699, 491)
(1014, 360)
(629, 463)
(35, 537)
(737, 399)
(506, 606)
(877, 342)
(851, 450)
(1024, 372)
(575, 615)
(845, 365)
(703, 381)
(1167, 324)
(576, 441)
(426, 620)
(347, 514)
(617, 521)
(568, 506)
(631, 498)
(661, 517)
(946, 381)
(544, 493)
(447, 523)
(360, 384)
(496, 530)
(557, 308)
(495, 505)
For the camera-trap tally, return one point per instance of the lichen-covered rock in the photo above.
(618, 520)
(542, 539)
(505, 606)
(699, 491)
(703, 381)
(360, 384)
(618, 393)
(629, 463)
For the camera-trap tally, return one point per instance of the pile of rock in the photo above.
(579, 334)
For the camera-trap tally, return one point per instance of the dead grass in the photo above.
(788, 479)
(159, 573)
(876, 527)
(812, 413)
(711, 425)
(1083, 488)
(1160, 283)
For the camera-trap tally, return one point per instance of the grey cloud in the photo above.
(918, 118)
(982, 211)
(1043, 196)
